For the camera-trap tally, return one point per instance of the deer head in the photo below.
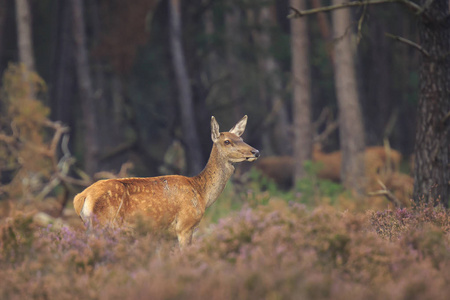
(230, 145)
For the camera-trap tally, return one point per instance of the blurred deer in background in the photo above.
(377, 160)
(171, 202)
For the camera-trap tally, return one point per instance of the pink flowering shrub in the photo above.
(275, 251)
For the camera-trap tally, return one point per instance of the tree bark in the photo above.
(378, 106)
(271, 84)
(324, 28)
(302, 92)
(233, 35)
(63, 87)
(351, 130)
(432, 146)
(190, 136)
(3, 14)
(24, 34)
(86, 94)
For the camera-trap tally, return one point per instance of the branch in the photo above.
(59, 131)
(119, 149)
(300, 13)
(325, 118)
(425, 6)
(7, 139)
(408, 42)
(442, 123)
(445, 118)
(385, 192)
(74, 181)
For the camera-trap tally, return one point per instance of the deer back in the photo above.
(162, 198)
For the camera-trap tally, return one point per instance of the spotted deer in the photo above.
(173, 202)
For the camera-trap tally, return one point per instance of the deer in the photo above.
(172, 202)
(378, 160)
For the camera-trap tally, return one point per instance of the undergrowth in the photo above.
(259, 190)
(276, 251)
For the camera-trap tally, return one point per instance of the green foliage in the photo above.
(260, 190)
(229, 201)
(262, 183)
(314, 190)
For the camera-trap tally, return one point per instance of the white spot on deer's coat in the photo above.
(166, 185)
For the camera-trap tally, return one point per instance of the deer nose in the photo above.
(255, 152)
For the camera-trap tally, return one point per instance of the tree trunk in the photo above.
(86, 94)
(25, 42)
(324, 28)
(3, 14)
(271, 85)
(378, 107)
(274, 85)
(233, 35)
(351, 129)
(302, 92)
(108, 90)
(190, 136)
(63, 87)
(432, 168)
(24, 36)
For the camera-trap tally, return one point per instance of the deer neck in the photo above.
(212, 180)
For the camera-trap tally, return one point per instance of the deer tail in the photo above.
(78, 202)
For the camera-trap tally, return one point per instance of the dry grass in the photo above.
(274, 251)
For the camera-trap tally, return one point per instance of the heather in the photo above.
(279, 250)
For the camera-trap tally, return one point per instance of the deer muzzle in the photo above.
(255, 156)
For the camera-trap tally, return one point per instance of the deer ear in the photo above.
(239, 128)
(214, 130)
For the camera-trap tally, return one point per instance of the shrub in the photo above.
(275, 251)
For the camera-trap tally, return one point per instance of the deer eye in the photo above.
(227, 142)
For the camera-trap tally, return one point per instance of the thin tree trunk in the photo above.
(24, 35)
(86, 94)
(324, 28)
(233, 37)
(190, 136)
(213, 68)
(108, 129)
(3, 14)
(273, 83)
(432, 147)
(63, 87)
(302, 92)
(25, 42)
(351, 128)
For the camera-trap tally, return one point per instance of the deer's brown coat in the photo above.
(174, 202)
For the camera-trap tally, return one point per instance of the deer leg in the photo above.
(185, 237)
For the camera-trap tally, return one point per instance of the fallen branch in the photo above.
(386, 193)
